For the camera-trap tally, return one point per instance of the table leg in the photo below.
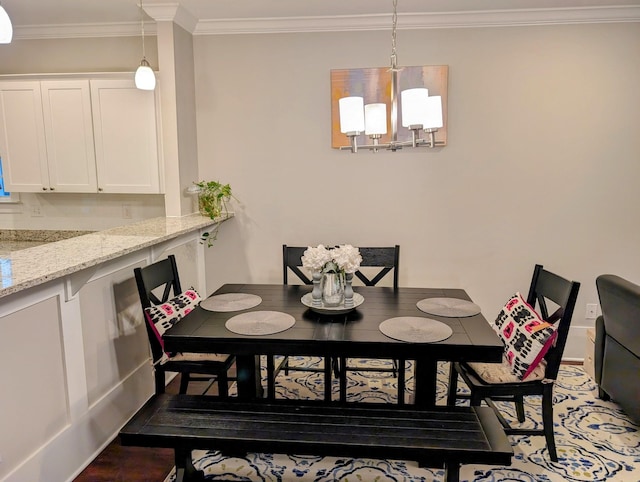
(185, 471)
(248, 373)
(426, 372)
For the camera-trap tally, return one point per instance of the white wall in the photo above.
(542, 164)
(90, 212)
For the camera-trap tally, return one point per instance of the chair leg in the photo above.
(401, 368)
(335, 365)
(285, 365)
(271, 377)
(394, 370)
(223, 384)
(547, 421)
(519, 401)
(184, 382)
(343, 379)
(453, 385)
(159, 381)
(328, 366)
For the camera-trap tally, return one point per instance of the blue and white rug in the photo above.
(595, 440)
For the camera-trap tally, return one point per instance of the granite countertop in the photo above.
(45, 262)
(17, 239)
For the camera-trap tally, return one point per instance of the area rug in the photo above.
(595, 440)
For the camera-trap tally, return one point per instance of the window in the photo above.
(6, 197)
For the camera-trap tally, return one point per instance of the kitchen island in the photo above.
(74, 356)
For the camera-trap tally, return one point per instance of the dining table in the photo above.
(354, 332)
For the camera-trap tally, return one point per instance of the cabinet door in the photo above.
(126, 139)
(22, 139)
(69, 133)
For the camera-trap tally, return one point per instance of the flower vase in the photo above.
(316, 294)
(332, 287)
(348, 290)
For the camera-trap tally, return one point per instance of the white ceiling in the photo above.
(51, 18)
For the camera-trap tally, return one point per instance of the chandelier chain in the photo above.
(394, 24)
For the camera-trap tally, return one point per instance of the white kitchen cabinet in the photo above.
(79, 135)
(69, 134)
(47, 136)
(126, 137)
(22, 138)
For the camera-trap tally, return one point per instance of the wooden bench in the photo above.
(440, 437)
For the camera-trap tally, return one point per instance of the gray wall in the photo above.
(542, 165)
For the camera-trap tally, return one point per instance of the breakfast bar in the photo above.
(74, 358)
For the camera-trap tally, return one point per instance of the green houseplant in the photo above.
(213, 197)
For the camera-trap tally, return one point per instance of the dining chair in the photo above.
(159, 286)
(292, 261)
(497, 382)
(377, 263)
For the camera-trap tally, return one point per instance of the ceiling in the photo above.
(60, 18)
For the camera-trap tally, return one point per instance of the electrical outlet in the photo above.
(592, 311)
(36, 211)
(126, 211)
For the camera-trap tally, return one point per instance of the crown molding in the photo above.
(172, 12)
(85, 30)
(492, 18)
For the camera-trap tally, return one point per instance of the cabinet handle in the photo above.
(99, 189)
(44, 188)
(52, 188)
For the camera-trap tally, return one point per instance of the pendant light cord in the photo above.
(142, 27)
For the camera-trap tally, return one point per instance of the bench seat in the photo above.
(438, 437)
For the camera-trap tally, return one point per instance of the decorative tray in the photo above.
(307, 300)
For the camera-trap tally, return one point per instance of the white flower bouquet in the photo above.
(343, 259)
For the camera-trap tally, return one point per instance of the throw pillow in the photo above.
(163, 316)
(526, 336)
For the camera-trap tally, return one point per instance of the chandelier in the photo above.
(421, 113)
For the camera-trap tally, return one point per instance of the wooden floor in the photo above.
(136, 464)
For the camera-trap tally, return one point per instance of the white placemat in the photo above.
(260, 323)
(415, 329)
(449, 307)
(231, 302)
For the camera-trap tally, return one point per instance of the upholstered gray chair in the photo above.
(617, 343)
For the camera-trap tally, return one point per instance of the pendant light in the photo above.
(145, 78)
(6, 29)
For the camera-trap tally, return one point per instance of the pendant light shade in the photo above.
(6, 29)
(145, 78)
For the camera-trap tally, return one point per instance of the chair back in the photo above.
(548, 287)
(385, 258)
(292, 260)
(157, 283)
(620, 303)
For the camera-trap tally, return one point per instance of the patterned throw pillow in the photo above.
(164, 316)
(526, 336)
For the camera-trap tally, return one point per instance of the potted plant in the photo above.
(213, 197)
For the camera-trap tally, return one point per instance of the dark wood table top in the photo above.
(355, 334)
